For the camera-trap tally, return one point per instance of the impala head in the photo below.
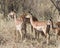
(28, 16)
(49, 22)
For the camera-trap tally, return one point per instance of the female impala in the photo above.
(41, 26)
(28, 21)
(57, 30)
(20, 23)
(58, 24)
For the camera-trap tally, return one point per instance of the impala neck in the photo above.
(31, 21)
(14, 17)
(52, 23)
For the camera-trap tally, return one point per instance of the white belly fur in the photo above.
(18, 27)
(40, 28)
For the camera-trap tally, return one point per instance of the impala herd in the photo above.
(41, 26)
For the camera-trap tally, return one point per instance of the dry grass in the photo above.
(38, 9)
(7, 38)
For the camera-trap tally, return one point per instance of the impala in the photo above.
(28, 22)
(58, 24)
(57, 30)
(40, 26)
(20, 24)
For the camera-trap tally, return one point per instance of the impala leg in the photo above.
(16, 35)
(38, 35)
(56, 36)
(48, 38)
(47, 33)
(31, 28)
(20, 33)
(25, 31)
(35, 34)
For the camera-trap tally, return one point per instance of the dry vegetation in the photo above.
(7, 37)
(42, 9)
